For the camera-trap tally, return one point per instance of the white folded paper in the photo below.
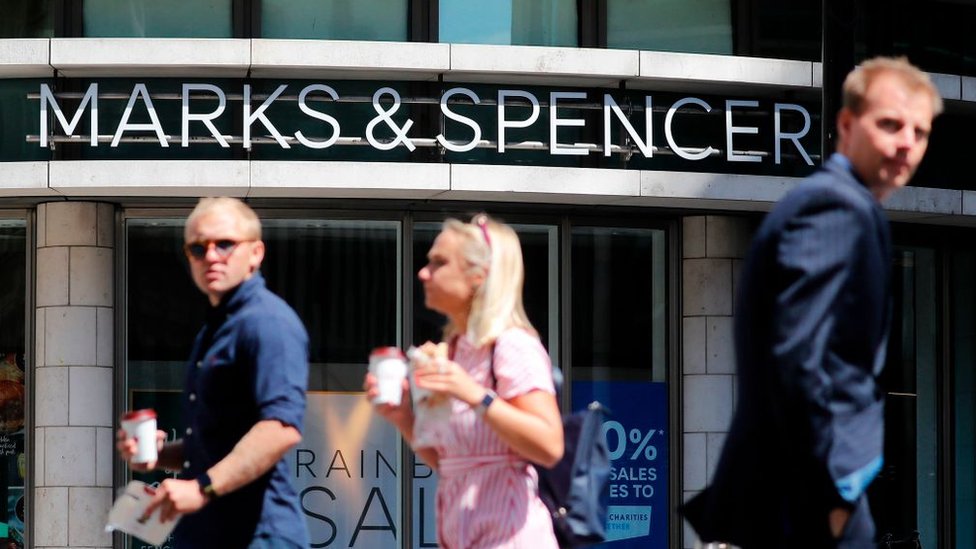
(127, 512)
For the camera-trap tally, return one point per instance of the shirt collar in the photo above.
(236, 297)
(841, 162)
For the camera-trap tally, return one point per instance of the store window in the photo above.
(963, 353)
(27, 19)
(13, 396)
(693, 26)
(509, 22)
(155, 19)
(335, 20)
(619, 357)
(345, 279)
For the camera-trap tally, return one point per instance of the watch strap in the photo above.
(206, 486)
(486, 401)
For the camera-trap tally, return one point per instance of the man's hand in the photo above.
(127, 447)
(838, 520)
(174, 498)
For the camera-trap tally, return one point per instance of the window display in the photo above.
(346, 280)
(13, 395)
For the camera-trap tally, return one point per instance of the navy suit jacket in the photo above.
(811, 329)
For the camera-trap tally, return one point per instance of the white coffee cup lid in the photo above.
(140, 415)
(387, 352)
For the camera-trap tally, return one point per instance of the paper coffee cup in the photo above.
(389, 366)
(141, 426)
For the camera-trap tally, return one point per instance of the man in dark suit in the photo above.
(811, 328)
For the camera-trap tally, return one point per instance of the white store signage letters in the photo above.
(386, 102)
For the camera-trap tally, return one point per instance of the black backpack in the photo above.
(576, 490)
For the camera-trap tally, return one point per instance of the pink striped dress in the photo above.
(487, 497)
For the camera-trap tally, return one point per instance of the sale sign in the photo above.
(636, 431)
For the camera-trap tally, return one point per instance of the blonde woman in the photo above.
(498, 379)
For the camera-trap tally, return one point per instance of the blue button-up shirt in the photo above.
(249, 363)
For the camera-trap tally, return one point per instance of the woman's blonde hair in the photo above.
(492, 249)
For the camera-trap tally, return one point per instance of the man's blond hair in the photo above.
(247, 220)
(858, 80)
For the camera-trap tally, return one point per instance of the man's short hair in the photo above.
(247, 220)
(857, 81)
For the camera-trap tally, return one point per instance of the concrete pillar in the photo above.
(713, 248)
(75, 284)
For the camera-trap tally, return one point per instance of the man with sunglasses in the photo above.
(244, 399)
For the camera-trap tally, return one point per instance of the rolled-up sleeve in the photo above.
(279, 347)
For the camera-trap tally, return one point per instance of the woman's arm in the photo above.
(529, 423)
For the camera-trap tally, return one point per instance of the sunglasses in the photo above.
(224, 247)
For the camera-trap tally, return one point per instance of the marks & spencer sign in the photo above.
(316, 116)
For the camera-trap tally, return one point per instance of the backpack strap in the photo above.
(557, 375)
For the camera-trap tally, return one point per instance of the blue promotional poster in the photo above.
(637, 435)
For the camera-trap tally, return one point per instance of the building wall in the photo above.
(712, 251)
(74, 313)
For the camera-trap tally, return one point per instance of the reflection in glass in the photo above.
(694, 26)
(509, 22)
(158, 18)
(335, 20)
(26, 19)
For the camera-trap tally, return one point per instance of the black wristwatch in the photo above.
(486, 401)
(206, 486)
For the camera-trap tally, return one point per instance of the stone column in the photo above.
(75, 285)
(712, 252)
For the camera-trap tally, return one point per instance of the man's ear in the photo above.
(257, 255)
(844, 120)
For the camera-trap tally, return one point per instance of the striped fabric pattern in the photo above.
(487, 497)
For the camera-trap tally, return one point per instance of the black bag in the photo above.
(577, 489)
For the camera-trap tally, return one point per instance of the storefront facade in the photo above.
(634, 154)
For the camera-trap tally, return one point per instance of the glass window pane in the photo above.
(904, 496)
(963, 353)
(938, 38)
(695, 26)
(13, 400)
(26, 19)
(618, 312)
(618, 303)
(335, 19)
(158, 18)
(509, 22)
(786, 30)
